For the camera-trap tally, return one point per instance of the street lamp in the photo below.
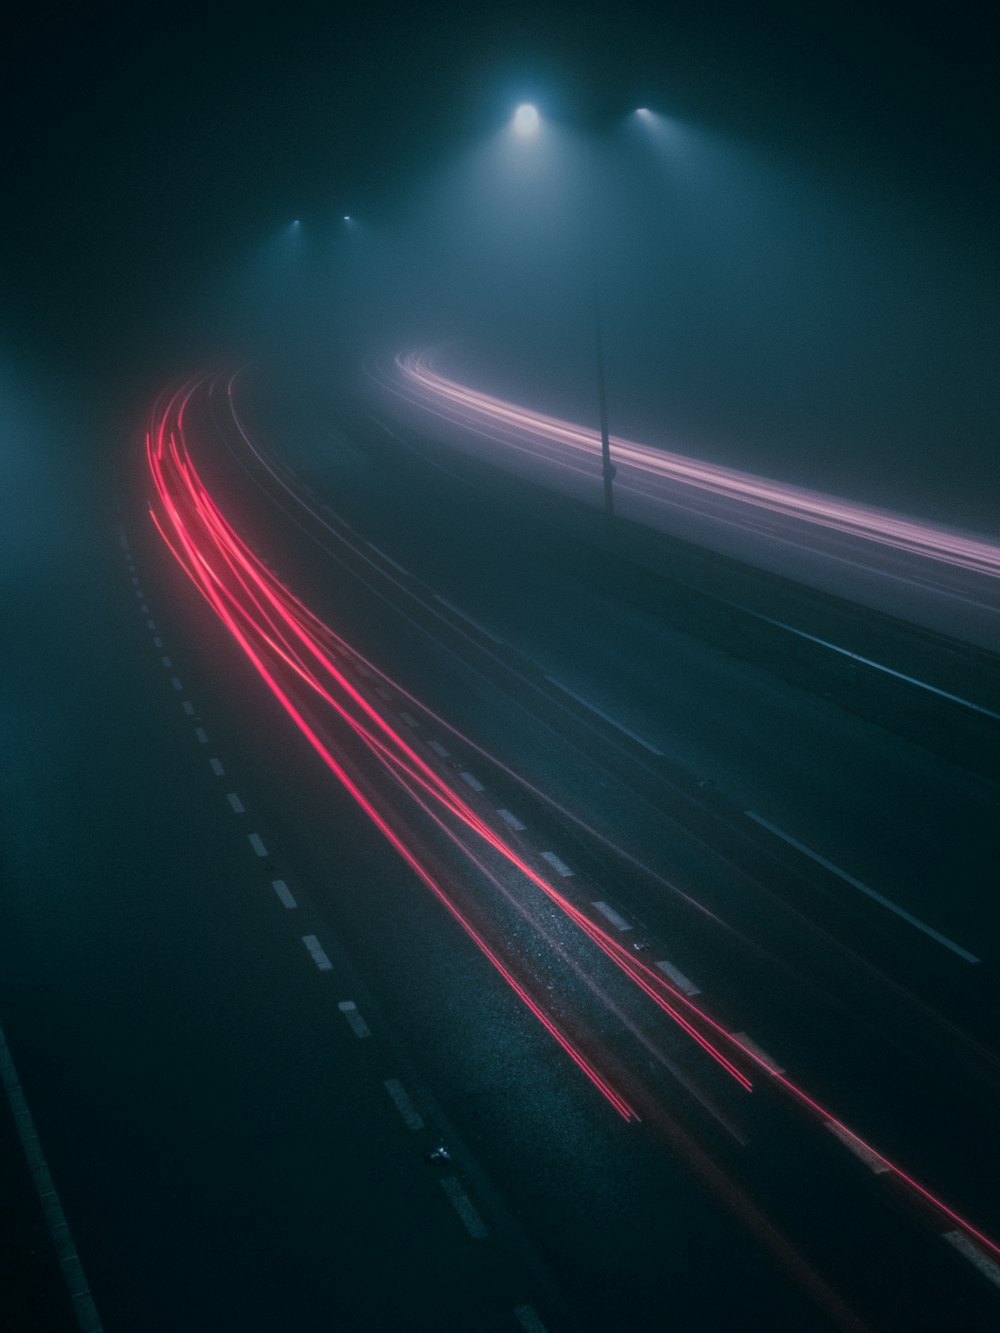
(526, 122)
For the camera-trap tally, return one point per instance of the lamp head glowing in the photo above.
(526, 120)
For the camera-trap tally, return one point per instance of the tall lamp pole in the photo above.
(526, 123)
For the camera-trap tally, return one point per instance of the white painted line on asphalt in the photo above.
(84, 1308)
(135, 581)
(167, 662)
(412, 1118)
(611, 915)
(878, 666)
(157, 642)
(284, 894)
(529, 1320)
(144, 609)
(678, 978)
(862, 888)
(750, 1045)
(201, 735)
(977, 1257)
(151, 624)
(217, 769)
(559, 866)
(358, 1025)
(362, 670)
(472, 780)
(438, 748)
(188, 707)
(257, 843)
(176, 682)
(467, 618)
(510, 820)
(860, 1150)
(388, 559)
(383, 693)
(409, 719)
(236, 803)
(626, 731)
(317, 953)
(463, 1205)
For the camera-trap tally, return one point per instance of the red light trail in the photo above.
(296, 655)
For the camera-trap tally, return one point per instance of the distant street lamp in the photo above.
(526, 122)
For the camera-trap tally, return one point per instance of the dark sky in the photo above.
(146, 149)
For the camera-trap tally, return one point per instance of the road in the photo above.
(691, 969)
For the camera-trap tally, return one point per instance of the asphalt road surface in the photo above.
(387, 807)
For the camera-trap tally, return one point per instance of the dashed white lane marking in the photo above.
(438, 748)
(135, 581)
(412, 1118)
(467, 618)
(510, 820)
(472, 780)
(216, 766)
(529, 1320)
(749, 1044)
(188, 707)
(168, 664)
(87, 1317)
(157, 642)
(678, 978)
(317, 953)
(862, 888)
(388, 559)
(859, 1149)
(463, 1205)
(357, 1024)
(977, 1257)
(144, 609)
(176, 682)
(609, 913)
(236, 803)
(626, 731)
(409, 719)
(560, 867)
(201, 735)
(284, 894)
(383, 693)
(151, 624)
(257, 843)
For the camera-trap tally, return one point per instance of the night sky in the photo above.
(150, 152)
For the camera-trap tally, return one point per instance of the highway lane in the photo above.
(940, 577)
(370, 611)
(231, 1147)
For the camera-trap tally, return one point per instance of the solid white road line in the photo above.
(236, 803)
(678, 978)
(412, 1118)
(201, 735)
(217, 769)
(559, 866)
(463, 1205)
(979, 1258)
(863, 888)
(317, 953)
(611, 915)
(749, 1044)
(69, 1261)
(510, 820)
(626, 731)
(257, 843)
(472, 780)
(467, 618)
(859, 1149)
(358, 1025)
(284, 893)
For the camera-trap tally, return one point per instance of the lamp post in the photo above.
(526, 123)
